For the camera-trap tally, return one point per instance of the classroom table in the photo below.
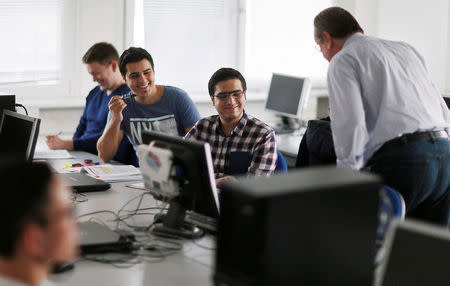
(192, 265)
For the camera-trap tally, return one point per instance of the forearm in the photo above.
(68, 145)
(108, 143)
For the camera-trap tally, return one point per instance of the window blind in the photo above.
(31, 39)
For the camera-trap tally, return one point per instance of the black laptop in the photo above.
(98, 238)
(83, 183)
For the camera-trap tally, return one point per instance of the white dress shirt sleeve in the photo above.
(347, 113)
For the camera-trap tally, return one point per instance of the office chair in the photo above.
(316, 147)
(281, 163)
(240, 161)
(392, 206)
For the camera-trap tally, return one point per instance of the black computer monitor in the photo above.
(195, 172)
(315, 226)
(447, 101)
(417, 253)
(287, 97)
(18, 135)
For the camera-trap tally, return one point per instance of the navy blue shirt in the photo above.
(93, 122)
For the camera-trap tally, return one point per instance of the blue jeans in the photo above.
(420, 171)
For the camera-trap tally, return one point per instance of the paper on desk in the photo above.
(138, 186)
(43, 152)
(114, 173)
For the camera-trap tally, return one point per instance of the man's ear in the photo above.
(212, 100)
(114, 65)
(33, 241)
(327, 40)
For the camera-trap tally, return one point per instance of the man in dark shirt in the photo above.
(102, 63)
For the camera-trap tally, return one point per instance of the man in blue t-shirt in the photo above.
(155, 107)
(102, 63)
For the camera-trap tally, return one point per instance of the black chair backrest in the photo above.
(316, 147)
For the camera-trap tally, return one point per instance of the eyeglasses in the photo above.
(224, 95)
(317, 47)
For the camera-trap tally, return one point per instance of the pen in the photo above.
(59, 133)
(128, 95)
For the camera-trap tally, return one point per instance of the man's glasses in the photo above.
(317, 47)
(224, 95)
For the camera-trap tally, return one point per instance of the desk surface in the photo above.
(193, 265)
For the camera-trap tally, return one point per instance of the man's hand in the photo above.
(219, 181)
(56, 143)
(116, 105)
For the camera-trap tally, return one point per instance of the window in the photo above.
(31, 40)
(189, 40)
(279, 38)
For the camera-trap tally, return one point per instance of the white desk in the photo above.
(288, 145)
(193, 265)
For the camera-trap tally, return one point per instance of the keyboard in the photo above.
(283, 130)
(202, 221)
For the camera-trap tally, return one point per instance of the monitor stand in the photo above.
(287, 125)
(173, 224)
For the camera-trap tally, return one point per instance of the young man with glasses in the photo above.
(154, 107)
(387, 116)
(232, 133)
(38, 227)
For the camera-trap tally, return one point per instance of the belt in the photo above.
(411, 137)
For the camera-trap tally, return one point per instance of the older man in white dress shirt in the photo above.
(386, 114)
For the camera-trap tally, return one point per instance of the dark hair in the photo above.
(103, 53)
(222, 75)
(24, 199)
(336, 21)
(133, 55)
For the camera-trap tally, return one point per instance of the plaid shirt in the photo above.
(250, 135)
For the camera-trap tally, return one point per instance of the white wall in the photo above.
(98, 21)
(423, 24)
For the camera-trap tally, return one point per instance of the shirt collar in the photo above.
(352, 38)
(238, 130)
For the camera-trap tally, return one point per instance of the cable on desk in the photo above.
(141, 197)
(195, 241)
(94, 219)
(20, 105)
(79, 198)
(162, 209)
(14, 105)
(118, 260)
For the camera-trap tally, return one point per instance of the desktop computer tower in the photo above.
(311, 227)
(7, 102)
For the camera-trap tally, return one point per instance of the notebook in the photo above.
(98, 238)
(417, 254)
(82, 183)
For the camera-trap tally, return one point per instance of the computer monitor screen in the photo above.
(194, 163)
(287, 95)
(18, 134)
